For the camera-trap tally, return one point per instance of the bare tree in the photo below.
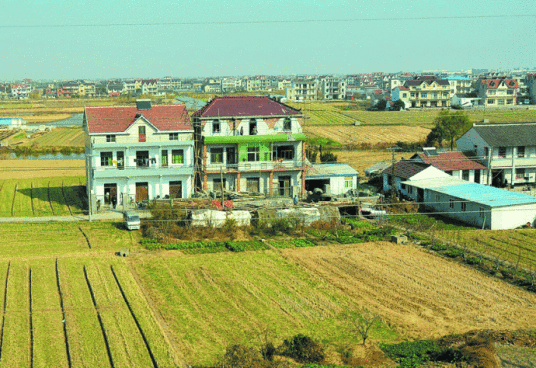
(362, 322)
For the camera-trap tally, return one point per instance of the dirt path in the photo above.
(424, 295)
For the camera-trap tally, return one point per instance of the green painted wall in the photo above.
(265, 150)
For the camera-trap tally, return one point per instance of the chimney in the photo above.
(143, 104)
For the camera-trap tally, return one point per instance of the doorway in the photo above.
(110, 192)
(142, 192)
(284, 186)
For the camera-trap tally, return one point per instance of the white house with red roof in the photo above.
(456, 164)
(251, 144)
(498, 92)
(137, 153)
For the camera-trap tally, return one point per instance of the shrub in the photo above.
(438, 247)
(328, 157)
(229, 227)
(281, 226)
(472, 260)
(453, 253)
(303, 349)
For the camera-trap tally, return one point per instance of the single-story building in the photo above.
(479, 205)
(408, 170)
(334, 179)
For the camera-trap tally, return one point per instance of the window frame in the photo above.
(451, 203)
(253, 154)
(214, 155)
(501, 150)
(521, 152)
(110, 138)
(216, 124)
(287, 124)
(177, 153)
(164, 158)
(106, 159)
(173, 136)
(348, 182)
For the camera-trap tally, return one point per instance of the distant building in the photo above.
(429, 91)
(333, 89)
(498, 92)
(302, 90)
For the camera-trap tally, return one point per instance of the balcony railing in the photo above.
(256, 166)
(142, 167)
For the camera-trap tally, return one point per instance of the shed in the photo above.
(334, 179)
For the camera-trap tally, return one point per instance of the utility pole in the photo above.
(393, 162)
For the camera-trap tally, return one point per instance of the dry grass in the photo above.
(363, 159)
(368, 134)
(30, 169)
(422, 294)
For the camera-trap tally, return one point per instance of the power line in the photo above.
(348, 20)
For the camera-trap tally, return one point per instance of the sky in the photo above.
(67, 39)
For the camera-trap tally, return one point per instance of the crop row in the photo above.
(75, 315)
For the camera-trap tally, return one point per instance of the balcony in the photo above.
(137, 171)
(124, 143)
(256, 166)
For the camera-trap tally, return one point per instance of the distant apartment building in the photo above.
(137, 153)
(20, 91)
(497, 92)
(149, 86)
(460, 85)
(302, 90)
(429, 91)
(530, 81)
(86, 89)
(258, 84)
(333, 89)
(230, 84)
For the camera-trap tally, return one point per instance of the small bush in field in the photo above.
(303, 349)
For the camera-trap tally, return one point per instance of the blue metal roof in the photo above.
(486, 195)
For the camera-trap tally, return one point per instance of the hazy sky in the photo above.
(105, 49)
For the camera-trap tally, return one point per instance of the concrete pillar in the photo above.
(271, 183)
(238, 182)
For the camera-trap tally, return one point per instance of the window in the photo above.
(252, 127)
(464, 206)
(253, 153)
(404, 95)
(106, 158)
(521, 151)
(491, 101)
(510, 92)
(491, 93)
(500, 101)
(110, 138)
(465, 175)
(216, 155)
(424, 95)
(412, 94)
(510, 101)
(173, 136)
(120, 159)
(451, 203)
(520, 173)
(141, 134)
(177, 156)
(164, 158)
(502, 152)
(216, 126)
(283, 152)
(348, 182)
(287, 124)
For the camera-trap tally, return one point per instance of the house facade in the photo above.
(333, 89)
(137, 153)
(507, 150)
(395, 175)
(429, 91)
(499, 92)
(251, 144)
(302, 90)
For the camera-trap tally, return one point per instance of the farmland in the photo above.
(33, 169)
(342, 113)
(54, 196)
(58, 137)
(355, 135)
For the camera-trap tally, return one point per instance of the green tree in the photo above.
(449, 126)
(398, 105)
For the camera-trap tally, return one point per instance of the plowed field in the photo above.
(422, 294)
(349, 134)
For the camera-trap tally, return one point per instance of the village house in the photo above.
(405, 170)
(429, 91)
(456, 164)
(251, 144)
(302, 90)
(138, 153)
(497, 92)
(507, 150)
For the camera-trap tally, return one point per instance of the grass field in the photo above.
(512, 246)
(59, 137)
(354, 135)
(55, 196)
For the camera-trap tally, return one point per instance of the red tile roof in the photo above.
(244, 106)
(451, 161)
(495, 83)
(118, 118)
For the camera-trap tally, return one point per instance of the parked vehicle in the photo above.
(131, 220)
